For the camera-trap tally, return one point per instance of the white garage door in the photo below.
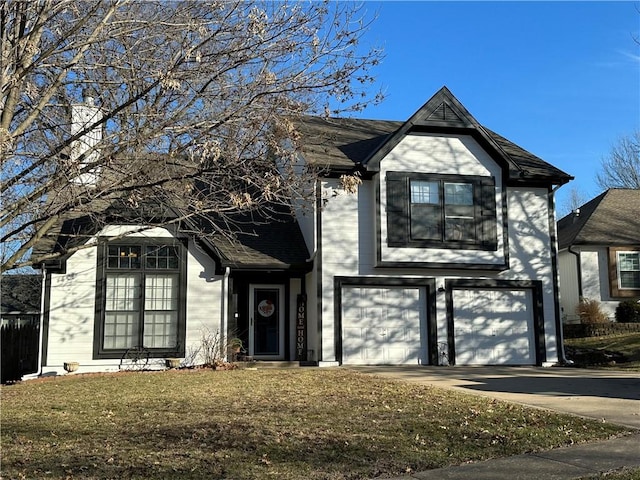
(384, 325)
(494, 327)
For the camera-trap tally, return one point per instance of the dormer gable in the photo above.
(443, 113)
(443, 110)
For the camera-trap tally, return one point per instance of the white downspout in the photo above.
(314, 251)
(562, 358)
(41, 329)
(225, 312)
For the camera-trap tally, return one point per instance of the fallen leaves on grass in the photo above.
(286, 424)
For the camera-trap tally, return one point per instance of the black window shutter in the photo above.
(397, 204)
(488, 213)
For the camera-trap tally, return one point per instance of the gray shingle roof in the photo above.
(269, 240)
(77, 227)
(611, 218)
(533, 166)
(261, 241)
(340, 144)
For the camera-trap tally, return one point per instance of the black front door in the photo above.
(266, 335)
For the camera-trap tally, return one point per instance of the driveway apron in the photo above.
(605, 395)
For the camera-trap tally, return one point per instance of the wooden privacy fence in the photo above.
(19, 345)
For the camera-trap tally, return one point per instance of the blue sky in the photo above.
(560, 79)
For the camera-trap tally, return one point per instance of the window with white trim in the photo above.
(141, 298)
(628, 270)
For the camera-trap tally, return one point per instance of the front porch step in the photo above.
(268, 364)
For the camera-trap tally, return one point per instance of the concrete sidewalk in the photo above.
(558, 464)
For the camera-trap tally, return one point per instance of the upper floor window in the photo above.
(140, 298)
(445, 211)
(629, 270)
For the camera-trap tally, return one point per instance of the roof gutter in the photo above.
(280, 267)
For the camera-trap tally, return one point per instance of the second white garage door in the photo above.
(384, 325)
(494, 327)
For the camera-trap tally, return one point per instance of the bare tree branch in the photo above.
(163, 106)
(576, 198)
(621, 168)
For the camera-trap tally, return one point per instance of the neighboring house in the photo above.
(444, 254)
(20, 298)
(599, 251)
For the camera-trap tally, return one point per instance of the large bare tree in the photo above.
(621, 168)
(182, 104)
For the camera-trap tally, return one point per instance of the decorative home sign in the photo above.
(301, 328)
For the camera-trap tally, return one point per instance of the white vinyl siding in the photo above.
(348, 250)
(72, 306)
(440, 155)
(569, 285)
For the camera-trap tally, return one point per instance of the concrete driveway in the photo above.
(611, 396)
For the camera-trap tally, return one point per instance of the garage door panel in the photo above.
(482, 355)
(372, 354)
(413, 335)
(354, 344)
(391, 325)
(376, 335)
(398, 354)
(516, 356)
(494, 327)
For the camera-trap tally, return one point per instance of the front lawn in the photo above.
(627, 345)
(255, 424)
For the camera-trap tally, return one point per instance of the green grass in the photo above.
(256, 424)
(626, 344)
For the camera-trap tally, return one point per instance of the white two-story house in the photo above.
(444, 254)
